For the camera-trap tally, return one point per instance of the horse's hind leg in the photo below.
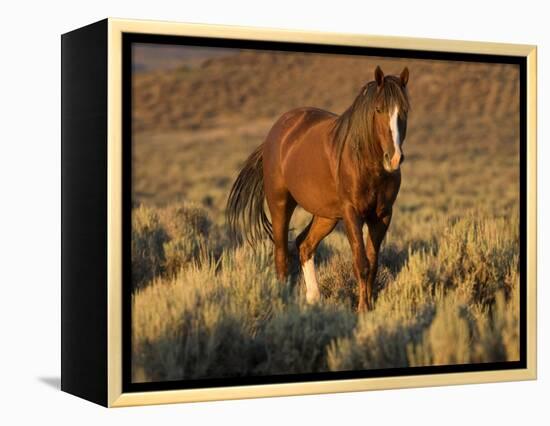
(281, 206)
(307, 243)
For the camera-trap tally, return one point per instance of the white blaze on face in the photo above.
(312, 288)
(396, 137)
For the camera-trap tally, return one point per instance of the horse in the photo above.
(336, 167)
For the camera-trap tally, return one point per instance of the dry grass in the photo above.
(448, 285)
(452, 303)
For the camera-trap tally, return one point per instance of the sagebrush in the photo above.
(223, 313)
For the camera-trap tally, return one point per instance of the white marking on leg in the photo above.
(312, 288)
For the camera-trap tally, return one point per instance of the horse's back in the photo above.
(293, 125)
(298, 155)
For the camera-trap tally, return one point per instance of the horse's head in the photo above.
(390, 108)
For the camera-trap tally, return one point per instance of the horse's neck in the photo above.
(364, 156)
(359, 172)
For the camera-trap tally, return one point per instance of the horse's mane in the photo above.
(355, 125)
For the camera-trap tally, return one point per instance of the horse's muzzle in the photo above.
(392, 165)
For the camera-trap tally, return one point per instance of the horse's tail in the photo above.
(245, 212)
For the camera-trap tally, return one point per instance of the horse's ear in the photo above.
(379, 76)
(404, 77)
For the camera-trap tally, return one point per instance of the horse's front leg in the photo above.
(377, 232)
(354, 231)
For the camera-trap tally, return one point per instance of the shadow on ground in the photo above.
(53, 382)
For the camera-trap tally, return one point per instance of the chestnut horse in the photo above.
(343, 167)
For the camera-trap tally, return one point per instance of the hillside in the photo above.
(195, 125)
(251, 85)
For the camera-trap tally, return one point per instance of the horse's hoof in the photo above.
(362, 308)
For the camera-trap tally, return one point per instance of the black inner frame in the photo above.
(129, 38)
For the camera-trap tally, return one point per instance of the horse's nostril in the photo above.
(402, 159)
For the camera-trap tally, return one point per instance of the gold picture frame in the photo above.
(111, 383)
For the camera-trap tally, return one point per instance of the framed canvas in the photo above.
(239, 219)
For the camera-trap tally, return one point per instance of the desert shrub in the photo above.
(474, 259)
(498, 328)
(296, 339)
(189, 228)
(148, 239)
(448, 339)
(412, 289)
(380, 340)
(452, 303)
(461, 334)
(180, 219)
(183, 329)
(392, 258)
(337, 283)
(216, 310)
(476, 256)
(250, 284)
(166, 239)
(203, 322)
